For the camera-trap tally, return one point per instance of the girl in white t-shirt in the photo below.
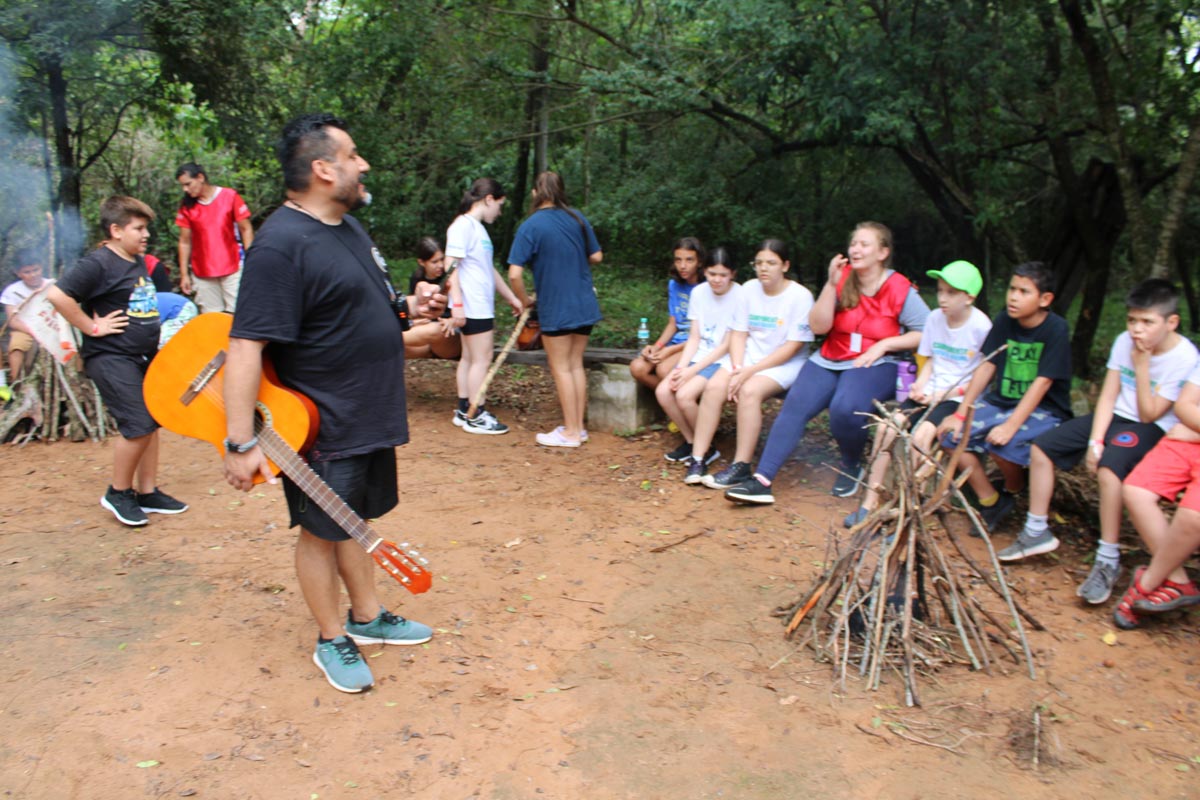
(766, 351)
(712, 308)
(473, 286)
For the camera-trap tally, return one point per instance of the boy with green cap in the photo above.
(1147, 368)
(950, 345)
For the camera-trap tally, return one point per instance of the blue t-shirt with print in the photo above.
(678, 295)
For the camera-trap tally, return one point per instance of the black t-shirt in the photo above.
(318, 295)
(1041, 352)
(103, 282)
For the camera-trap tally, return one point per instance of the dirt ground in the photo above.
(571, 660)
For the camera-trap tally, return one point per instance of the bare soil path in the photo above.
(571, 659)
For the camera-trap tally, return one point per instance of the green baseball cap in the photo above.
(962, 275)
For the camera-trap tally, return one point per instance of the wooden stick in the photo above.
(500, 357)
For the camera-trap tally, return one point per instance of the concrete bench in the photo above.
(616, 402)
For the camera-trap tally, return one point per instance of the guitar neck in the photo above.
(309, 482)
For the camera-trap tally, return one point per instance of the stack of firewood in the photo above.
(903, 595)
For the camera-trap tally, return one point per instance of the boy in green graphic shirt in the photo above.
(1030, 393)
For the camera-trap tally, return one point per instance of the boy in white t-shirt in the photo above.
(1147, 367)
(20, 337)
(1173, 466)
(951, 344)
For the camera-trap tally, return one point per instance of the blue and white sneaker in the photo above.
(388, 628)
(485, 423)
(343, 665)
(460, 418)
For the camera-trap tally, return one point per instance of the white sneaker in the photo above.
(460, 418)
(485, 423)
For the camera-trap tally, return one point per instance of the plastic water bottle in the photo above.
(906, 374)
(643, 333)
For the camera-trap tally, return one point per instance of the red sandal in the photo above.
(1123, 616)
(1168, 597)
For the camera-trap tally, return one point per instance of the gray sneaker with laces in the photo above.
(1028, 544)
(1098, 585)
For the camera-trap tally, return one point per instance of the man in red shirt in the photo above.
(209, 260)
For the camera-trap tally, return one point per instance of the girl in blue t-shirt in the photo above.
(658, 359)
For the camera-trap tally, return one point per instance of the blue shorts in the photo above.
(988, 416)
(708, 371)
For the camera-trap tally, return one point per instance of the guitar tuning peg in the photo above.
(404, 579)
(424, 562)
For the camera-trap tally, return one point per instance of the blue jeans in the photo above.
(844, 393)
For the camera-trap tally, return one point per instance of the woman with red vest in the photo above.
(869, 312)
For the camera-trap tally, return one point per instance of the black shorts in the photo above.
(367, 483)
(585, 330)
(475, 326)
(119, 379)
(939, 413)
(1125, 443)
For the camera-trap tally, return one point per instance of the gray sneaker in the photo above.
(1098, 586)
(1028, 544)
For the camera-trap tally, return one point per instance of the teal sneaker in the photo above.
(343, 665)
(387, 628)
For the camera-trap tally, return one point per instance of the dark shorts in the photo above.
(585, 330)
(475, 326)
(119, 379)
(916, 410)
(1125, 443)
(367, 483)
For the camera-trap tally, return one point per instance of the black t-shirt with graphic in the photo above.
(1041, 352)
(103, 282)
(317, 294)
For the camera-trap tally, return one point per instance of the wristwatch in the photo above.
(231, 447)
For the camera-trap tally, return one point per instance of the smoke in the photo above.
(24, 179)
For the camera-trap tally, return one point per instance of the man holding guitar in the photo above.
(316, 299)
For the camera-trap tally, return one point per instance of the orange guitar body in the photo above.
(185, 392)
(187, 358)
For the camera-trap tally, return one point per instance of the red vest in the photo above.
(875, 317)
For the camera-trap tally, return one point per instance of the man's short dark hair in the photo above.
(1154, 294)
(304, 141)
(1041, 274)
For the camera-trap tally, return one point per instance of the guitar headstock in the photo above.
(404, 564)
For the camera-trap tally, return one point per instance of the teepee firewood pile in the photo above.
(903, 594)
(53, 401)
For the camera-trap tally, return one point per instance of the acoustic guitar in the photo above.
(184, 391)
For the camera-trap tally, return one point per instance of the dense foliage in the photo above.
(1067, 131)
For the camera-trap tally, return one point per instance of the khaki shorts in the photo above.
(19, 340)
(217, 294)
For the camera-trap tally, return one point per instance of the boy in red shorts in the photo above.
(1172, 466)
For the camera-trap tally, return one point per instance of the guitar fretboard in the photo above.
(311, 484)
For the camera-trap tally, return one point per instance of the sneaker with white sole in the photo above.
(387, 628)
(1098, 585)
(679, 454)
(343, 665)
(125, 507)
(695, 472)
(485, 423)
(751, 491)
(1029, 544)
(735, 473)
(460, 418)
(159, 502)
(847, 482)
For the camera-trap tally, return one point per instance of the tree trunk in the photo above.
(540, 95)
(68, 197)
(1177, 201)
